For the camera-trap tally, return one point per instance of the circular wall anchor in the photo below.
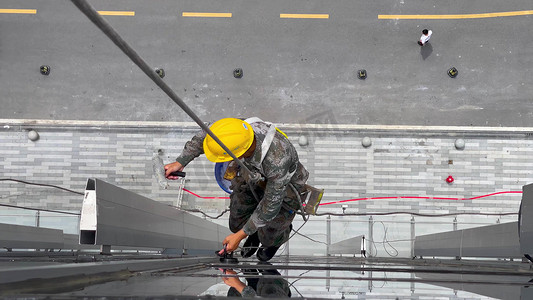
(302, 141)
(45, 70)
(361, 74)
(237, 73)
(459, 144)
(452, 72)
(450, 179)
(366, 142)
(160, 72)
(33, 135)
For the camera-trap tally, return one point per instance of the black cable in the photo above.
(292, 283)
(415, 214)
(195, 210)
(41, 184)
(40, 209)
(313, 240)
(79, 193)
(296, 231)
(386, 242)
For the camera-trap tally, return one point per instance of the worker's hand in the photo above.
(233, 281)
(173, 167)
(232, 241)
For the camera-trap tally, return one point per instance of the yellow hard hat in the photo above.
(236, 134)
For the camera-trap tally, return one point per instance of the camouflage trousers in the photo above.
(242, 205)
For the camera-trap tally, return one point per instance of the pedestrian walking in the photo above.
(426, 35)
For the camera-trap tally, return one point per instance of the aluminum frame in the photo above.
(30, 237)
(525, 220)
(495, 241)
(350, 246)
(112, 216)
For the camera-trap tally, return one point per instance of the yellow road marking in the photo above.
(465, 16)
(18, 11)
(116, 13)
(207, 15)
(304, 16)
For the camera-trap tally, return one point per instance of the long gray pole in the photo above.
(102, 24)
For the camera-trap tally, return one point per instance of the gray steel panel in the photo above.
(439, 244)
(500, 240)
(348, 246)
(526, 220)
(29, 237)
(124, 218)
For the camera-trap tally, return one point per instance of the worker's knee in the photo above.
(275, 234)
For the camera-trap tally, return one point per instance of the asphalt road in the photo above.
(295, 70)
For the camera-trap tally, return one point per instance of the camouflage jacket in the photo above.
(280, 166)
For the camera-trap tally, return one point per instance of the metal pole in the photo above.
(179, 199)
(328, 234)
(102, 24)
(412, 236)
(370, 236)
(287, 247)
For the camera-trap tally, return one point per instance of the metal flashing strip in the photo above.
(494, 241)
(112, 216)
(6, 123)
(30, 237)
(351, 246)
(525, 220)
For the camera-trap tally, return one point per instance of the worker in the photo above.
(273, 285)
(265, 150)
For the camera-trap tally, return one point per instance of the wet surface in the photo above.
(312, 277)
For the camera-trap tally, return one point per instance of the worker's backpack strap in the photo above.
(253, 120)
(269, 136)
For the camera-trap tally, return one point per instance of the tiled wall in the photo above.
(392, 166)
(395, 165)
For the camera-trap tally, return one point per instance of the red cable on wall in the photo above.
(381, 198)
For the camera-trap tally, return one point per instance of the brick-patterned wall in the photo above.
(393, 166)
(397, 164)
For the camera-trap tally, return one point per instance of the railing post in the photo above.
(413, 236)
(370, 235)
(328, 233)
(38, 219)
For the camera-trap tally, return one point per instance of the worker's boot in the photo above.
(265, 254)
(250, 245)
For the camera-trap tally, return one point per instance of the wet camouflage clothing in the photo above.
(280, 166)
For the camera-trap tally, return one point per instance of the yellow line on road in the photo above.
(116, 13)
(304, 16)
(465, 16)
(18, 11)
(207, 15)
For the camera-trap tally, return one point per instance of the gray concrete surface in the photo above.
(293, 69)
